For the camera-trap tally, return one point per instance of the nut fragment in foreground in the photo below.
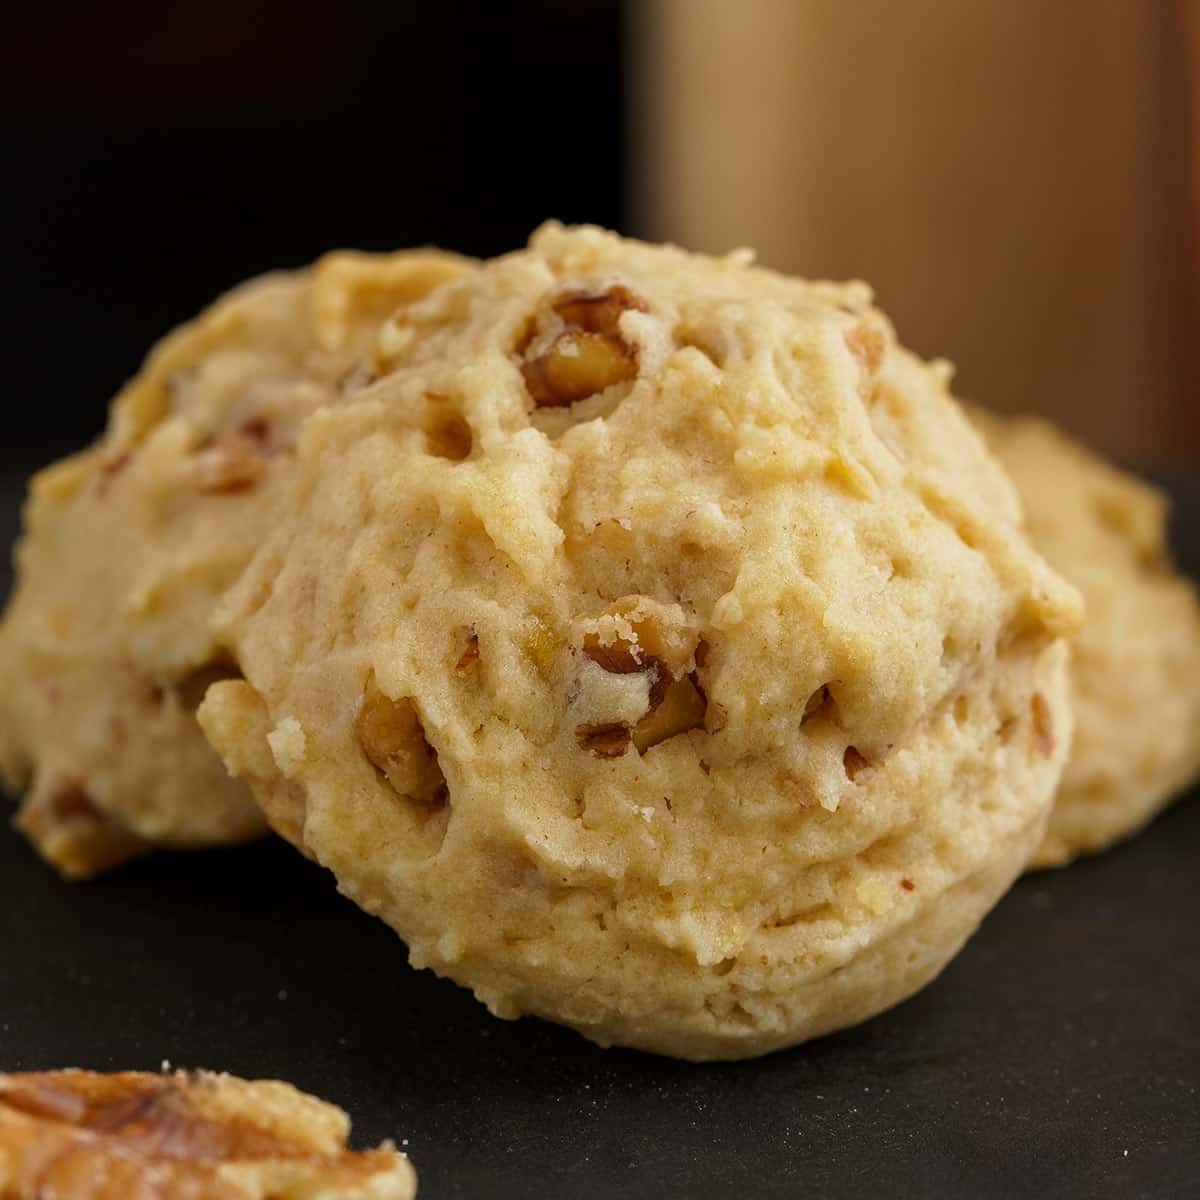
(69, 1135)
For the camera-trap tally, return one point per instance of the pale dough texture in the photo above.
(130, 1135)
(655, 646)
(105, 648)
(1136, 665)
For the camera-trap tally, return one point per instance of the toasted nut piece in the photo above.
(638, 635)
(391, 736)
(589, 355)
(634, 630)
(78, 1135)
(575, 366)
(606, 740)
(598, 312)
(620, 657)
(681, 708)
(1043, 724)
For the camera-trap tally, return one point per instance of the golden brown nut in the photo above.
(589, 355)
(79, 1135)
(392, 738)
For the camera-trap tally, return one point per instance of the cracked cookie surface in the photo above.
(655, 646)
(1136, 665)
(105, 649)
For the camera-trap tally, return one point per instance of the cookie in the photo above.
(79, 1135)
(104, 649)
(1136, 665)
(655, 647)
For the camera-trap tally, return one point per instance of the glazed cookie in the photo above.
(655, 647)
(79, 1135)
(1136, 665)
(104, 649)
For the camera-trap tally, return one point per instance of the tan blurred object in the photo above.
(1013, 178)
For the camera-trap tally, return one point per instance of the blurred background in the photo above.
(1019, 179)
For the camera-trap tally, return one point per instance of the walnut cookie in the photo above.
(1136, 665)
(655, 646)
(104, 649)
(79, 1135)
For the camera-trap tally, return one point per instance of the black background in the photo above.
(157, 153)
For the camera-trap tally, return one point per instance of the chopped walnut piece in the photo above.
(80, 1135)
(620, 657)
(604, 740)
(1043, 725)
(598, 312)
(681, 708)
(635, 631)
(853, 761)
(637, 635)
(589, 355)
(391, 736)
(575, 366)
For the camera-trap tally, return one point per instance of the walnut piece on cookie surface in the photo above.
(702, 692)
(79, 1135)
(105, 649)
(1135, 667)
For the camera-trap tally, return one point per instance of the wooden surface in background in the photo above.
(1013, 178)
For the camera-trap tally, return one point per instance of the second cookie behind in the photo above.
(1136, 665)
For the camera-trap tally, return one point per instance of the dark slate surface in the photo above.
(1059, 1055)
